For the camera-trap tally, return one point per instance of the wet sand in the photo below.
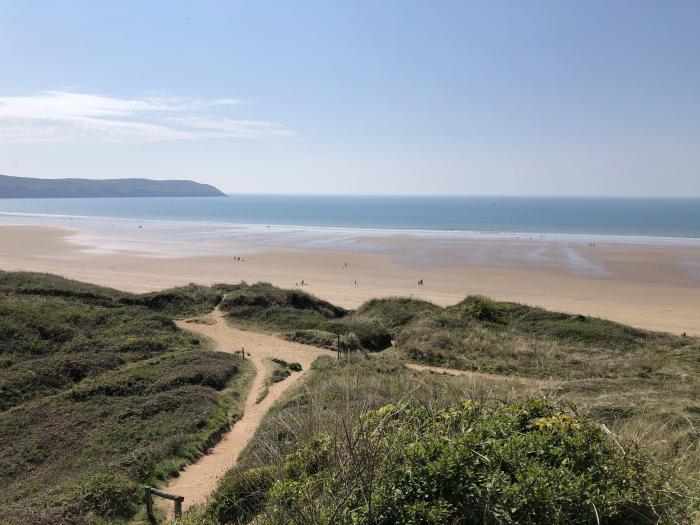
(652, 287)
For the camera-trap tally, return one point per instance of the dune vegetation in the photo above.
(627, 395)
(298, 316)
(555, 418)
(101, 393)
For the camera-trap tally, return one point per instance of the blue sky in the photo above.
(375, 97)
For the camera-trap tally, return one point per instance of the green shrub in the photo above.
(279, 374)
(480, 308)
(294, 366)
(301, 317)
(107, 495)
(244, 299)
(350, 343)
(475, 463)
(371, 336)
(396, 312)
(185, 300)
(241, 495)
(319, 338)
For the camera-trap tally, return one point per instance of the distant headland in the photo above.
(25, 187)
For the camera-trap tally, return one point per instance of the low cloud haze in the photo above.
(56, 116)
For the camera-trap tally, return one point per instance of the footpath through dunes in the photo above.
(516, 382)
(197, 480)
(467, 373)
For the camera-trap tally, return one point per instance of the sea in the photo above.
(649, 218)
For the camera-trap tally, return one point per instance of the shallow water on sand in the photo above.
(646, 217)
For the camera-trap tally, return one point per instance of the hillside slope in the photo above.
(101, 393)
(25, 187)
(543, 417)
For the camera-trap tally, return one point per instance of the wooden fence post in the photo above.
(149, 504)
(148, 493)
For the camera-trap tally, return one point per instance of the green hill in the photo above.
(100, 393)
(560, 418)
(24, 187)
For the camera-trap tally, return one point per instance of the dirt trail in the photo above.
(451, 371)
(479, 375)
(197, 480)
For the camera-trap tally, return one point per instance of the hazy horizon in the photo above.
(398, 195)
(544, 99)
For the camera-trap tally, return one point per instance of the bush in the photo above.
(475, 463)
(396, 312)
(247, 299)
(279, 374)
(301, 317)
(480, 308)
(185, 300)
(319, 338)
(240, 496)
(371, 336)
(293, 366)
(350, 343)
(107, 495)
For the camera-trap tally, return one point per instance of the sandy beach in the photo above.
(652, 287)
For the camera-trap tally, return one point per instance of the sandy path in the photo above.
(450, 371)
(199, 479)
(482, 375)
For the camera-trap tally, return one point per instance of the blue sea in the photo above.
(648, 217)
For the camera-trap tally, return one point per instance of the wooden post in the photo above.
(338, 347)
(149, 502)
(149, 505)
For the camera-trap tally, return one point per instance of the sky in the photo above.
(357, 97)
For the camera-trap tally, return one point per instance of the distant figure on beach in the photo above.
(420, 282)
(355, 283)
(683, 334)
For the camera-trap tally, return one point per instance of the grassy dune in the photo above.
(330, 410)
(102, 393)
(643, 387)
(298, 316)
